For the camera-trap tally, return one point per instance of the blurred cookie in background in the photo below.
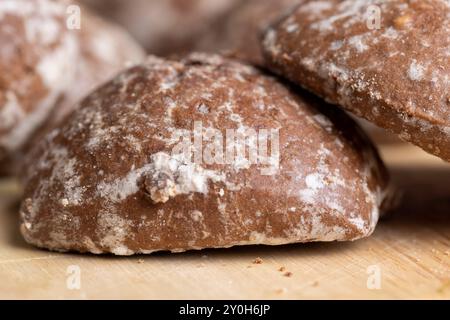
(98, 51)
(163, 27)
(239, 31)
(37, 63)
(105, 49)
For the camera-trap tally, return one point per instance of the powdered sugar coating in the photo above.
(134, 195)
(395, 74)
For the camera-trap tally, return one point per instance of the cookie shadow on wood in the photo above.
(273, 252)
(425, 197)
(9, 211)
(13, 226)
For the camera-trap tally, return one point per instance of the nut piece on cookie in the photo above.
(386, 61)
(202, 152)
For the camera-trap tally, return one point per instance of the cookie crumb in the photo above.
(281, 291)
(258, 261)
(288, 274)
(282, 269)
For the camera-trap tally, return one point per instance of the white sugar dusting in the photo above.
(324, 122)
(320, 230)
(348, 10)
(323, 185)
(315, 7)
(314, 181)
(57, 68)
(113, 230)
(21, 131)
(292, 28)
(336, 45)
(10, 112)
(416, 71)
(358, 43)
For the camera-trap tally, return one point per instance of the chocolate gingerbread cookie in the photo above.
(37, 55)
(100, 50)
(386, 61)
(201, 152)
(105, 49)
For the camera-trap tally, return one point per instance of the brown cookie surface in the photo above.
(126, 174)
(386, 61)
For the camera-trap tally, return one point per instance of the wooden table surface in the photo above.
(407, 257)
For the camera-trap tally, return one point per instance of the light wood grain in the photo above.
(411, 247)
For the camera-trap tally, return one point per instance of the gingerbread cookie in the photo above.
(386, 61)
(203, 152)
(37, 55)
(105, 49)
(102, 50)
